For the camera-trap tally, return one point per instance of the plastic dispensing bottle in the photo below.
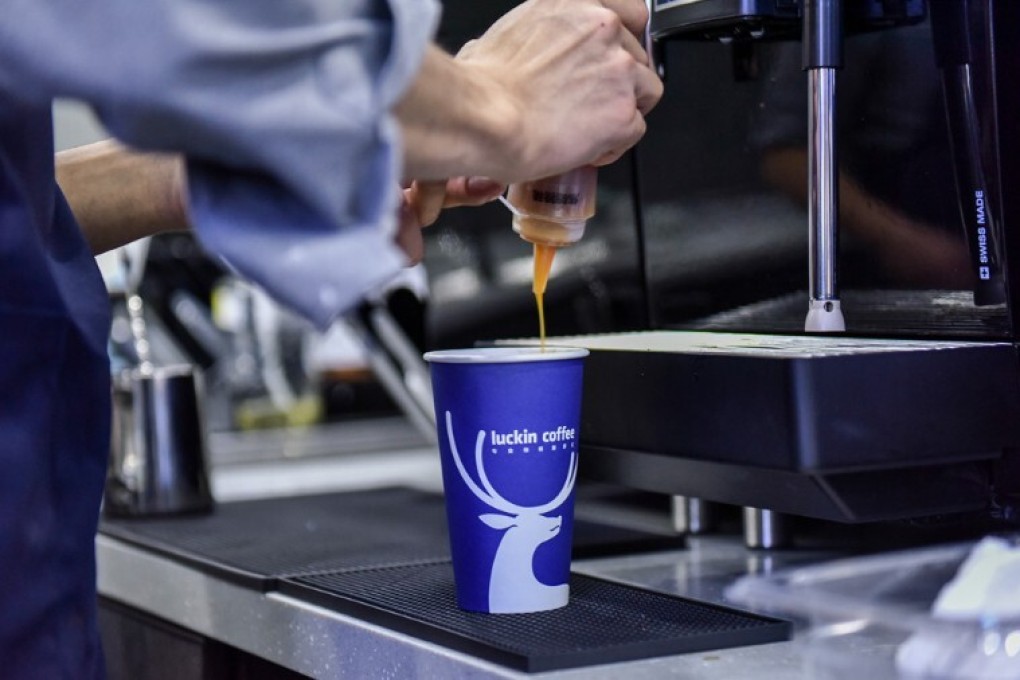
(553, 211)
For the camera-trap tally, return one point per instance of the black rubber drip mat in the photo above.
(255, 543)
(605, 622)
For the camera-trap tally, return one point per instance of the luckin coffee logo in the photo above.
(526, 441)
(513, 585)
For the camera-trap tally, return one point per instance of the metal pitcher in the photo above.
(158, 444)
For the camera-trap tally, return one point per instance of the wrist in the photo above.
(499, 122)
(457, 119)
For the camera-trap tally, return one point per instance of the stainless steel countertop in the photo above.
(325, 644)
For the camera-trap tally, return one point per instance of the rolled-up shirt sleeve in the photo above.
(282, 108)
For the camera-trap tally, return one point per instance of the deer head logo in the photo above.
(513, 586)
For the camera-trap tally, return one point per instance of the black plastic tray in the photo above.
(256, 543)
(604, 622)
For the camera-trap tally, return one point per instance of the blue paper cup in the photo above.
(509, 421)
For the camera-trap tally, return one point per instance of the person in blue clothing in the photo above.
(281, 132)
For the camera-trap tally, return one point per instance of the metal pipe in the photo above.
(822, 45)
(822, 184)
(824, 313)
(691, 515)
(397, 367)
(765, 529)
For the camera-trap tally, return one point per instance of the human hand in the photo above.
(423, 201)
(577, 76)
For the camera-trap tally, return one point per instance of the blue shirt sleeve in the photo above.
(281, 107)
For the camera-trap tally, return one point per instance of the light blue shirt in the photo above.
(282, 108)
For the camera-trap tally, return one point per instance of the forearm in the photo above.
(118, 195)
(454, 122)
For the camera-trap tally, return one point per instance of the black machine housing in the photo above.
(863, 435)
(769, 19)
(690, 287)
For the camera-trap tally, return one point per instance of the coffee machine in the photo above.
(851, 160)
(854, 160)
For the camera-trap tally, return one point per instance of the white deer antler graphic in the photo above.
(513, 586)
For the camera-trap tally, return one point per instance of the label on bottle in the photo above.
(554, 197)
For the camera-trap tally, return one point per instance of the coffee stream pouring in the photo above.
(551, 213)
